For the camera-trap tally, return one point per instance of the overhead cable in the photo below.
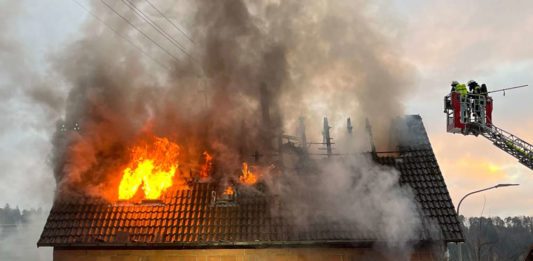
(154, 25)
(169, 20)
(139, 30)
(119, 35)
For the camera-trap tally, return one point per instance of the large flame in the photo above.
(153, 165)
(247, 177)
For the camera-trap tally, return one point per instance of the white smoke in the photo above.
(18, 243)
(351, 189)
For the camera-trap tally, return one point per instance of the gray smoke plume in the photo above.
(252, 69)
(26, 103)
(19, 79)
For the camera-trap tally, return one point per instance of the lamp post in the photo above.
(474, 192)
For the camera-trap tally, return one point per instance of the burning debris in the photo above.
(247, 177)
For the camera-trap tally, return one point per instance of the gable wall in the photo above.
(286, 254)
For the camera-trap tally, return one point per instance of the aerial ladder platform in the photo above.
(471, 114)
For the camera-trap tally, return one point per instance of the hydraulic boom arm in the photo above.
(511, 144)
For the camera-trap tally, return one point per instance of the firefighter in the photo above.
(483, 89)
(482, 104)
(454, 84)
(460, 88)
(473, 87)
(463, 92)
(448, 101)
(475, 91)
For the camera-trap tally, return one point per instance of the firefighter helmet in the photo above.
(472, 83)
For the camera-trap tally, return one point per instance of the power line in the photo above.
(168, 20)
(141, 14)
(119, 35)
(158, 28)
(138, 30)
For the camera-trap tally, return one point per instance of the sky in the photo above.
(489, 41)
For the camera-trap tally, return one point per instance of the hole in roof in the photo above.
(228, 198)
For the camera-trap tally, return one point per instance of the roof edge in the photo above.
(233, 245)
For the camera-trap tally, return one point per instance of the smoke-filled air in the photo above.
(211, 101)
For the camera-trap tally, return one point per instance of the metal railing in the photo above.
(511, 144)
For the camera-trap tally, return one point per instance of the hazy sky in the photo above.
(489, 41)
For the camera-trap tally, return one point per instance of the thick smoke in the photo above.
(252, 69)
(349, 190)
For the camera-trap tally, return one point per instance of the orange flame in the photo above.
(204, 169)
(229, 191)
(247, 176)
(152, 165)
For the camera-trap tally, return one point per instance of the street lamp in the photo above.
(481, 190)
(460, 252)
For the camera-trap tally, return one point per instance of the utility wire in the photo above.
(141, 14)
(168, 20)
(138, 30)
(154, 25)
(119, 35)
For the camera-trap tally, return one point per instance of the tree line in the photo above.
(495, 238)
(11, 218)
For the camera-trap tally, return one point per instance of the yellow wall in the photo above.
(286, 254)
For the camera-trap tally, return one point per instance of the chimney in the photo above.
(371, 138)
(303, 138)
(349, 126)
(327, 137)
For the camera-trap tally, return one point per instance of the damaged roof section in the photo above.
(191, 218)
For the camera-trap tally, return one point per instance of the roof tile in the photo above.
(188, 216)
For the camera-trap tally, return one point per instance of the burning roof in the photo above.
(192, 216)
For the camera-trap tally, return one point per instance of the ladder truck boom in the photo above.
(471, 114)
(511, 144)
